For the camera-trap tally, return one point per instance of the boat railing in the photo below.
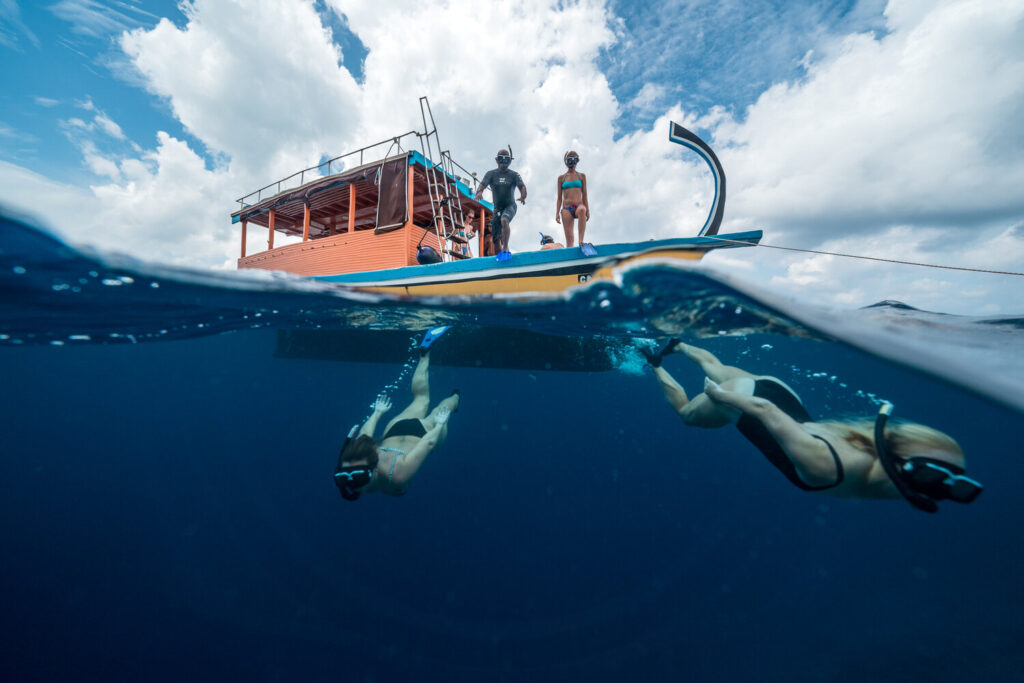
(325, 168)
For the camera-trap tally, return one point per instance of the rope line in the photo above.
(867, 258)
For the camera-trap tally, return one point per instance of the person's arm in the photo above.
(380, 406)
(812, 458)
(586, 203)
(483, 184)
(410, 463)
(558, 201)
(522, 189)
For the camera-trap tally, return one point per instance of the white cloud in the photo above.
(155, 207)
(187, 230)
(648, 98)
(108, 126)
(259, 81)
(14, 134)
(917, 126)
(95, 19)
(58, 206)
(12, 26)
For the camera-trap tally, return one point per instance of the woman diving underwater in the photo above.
(366, 466)
(845, 458)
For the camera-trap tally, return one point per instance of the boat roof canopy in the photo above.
(328, 196)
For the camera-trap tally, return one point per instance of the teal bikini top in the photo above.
(572, 183)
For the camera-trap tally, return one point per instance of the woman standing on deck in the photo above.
(572, 199)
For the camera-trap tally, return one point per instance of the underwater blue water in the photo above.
(168, 511)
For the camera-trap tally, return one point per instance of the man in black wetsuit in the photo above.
(502, 182)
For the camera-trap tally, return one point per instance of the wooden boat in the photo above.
(363, 224)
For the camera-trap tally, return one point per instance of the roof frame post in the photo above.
(351, 207)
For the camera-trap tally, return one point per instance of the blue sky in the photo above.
(883, 128)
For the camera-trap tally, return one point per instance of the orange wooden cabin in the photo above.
(370, 217)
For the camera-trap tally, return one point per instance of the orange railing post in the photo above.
(243, 238)
(305, 223)
(351, 207)
(480, 235)
(270, 239)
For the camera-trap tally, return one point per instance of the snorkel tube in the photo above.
(892, 468)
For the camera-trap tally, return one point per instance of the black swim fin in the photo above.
(653, 359)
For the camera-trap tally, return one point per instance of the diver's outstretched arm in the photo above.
(408, 464)
(380, 406)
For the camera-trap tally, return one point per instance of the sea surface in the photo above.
(168, 512)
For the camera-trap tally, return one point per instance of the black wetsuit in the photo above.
(757, 434)
(503, 185)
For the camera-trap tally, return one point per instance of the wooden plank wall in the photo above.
(345, 253)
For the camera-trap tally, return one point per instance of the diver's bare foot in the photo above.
(713, 390)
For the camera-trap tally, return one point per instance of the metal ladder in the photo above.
(445, 198)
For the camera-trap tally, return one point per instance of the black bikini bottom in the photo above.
(757, 434)
(408, 427)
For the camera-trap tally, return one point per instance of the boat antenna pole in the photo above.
(682, 136)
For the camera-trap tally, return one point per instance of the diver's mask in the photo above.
(353, 477)
(503, 159)
(572, 160)
(923, 481)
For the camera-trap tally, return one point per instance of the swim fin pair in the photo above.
(504, 255)
(588, 249)
(654, 359)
